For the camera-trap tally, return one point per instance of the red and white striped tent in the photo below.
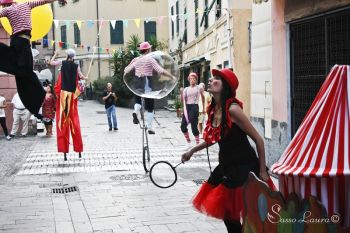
(316, 162)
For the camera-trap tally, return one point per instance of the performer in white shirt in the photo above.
(20, 113)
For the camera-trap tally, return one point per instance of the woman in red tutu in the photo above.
(221, 196)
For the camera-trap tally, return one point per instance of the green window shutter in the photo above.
(196, 18)
(64, 36)
(77, 35)
(177, 18)
(150, 30)
(172, 22)
(117, 34)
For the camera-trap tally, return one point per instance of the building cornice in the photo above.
(206, 33)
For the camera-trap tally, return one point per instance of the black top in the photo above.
(69, 72)
(236, 159)
(110, 100)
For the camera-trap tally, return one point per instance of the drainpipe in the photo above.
(98, 41)
(228, 19)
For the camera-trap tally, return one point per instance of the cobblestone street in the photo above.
(108, 190)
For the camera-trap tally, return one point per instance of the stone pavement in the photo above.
(107, 190)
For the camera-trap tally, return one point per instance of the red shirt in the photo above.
(49, 107)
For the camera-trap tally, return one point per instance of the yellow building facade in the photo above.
(212, 34)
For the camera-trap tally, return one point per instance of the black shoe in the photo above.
(110, 129)
(150, 131)
(12, 135)
(135, 120)
(115, 129)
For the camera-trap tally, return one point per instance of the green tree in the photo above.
(157, 44)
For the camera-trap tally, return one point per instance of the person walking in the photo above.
(67, 92)
(203, 116)
(190, 97)
(144, 66)
(48, 109)
(222, 195)
(20, 113)
(17, 59)
(3, 106)
(109, 97)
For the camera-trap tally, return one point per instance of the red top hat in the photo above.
(229, 77)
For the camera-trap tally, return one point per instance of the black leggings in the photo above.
(233, 226)
(149, 103)
(17, 59)
(3, 125)
(193, 113)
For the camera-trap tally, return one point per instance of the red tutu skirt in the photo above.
(219, 201)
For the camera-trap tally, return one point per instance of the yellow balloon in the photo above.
(42, 19)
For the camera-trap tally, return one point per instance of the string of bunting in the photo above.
(91, 22)
(89, 48)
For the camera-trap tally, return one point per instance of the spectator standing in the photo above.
(48, 109)
(20, 113)
(3, 106)
(109, 97)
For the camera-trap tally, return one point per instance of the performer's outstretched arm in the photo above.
(33, 4)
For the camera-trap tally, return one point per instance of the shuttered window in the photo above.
(196, 22)
(150, 30)
(172, 23)
(64, 36)
(117, 34)
(77, 35)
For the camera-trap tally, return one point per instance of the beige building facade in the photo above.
(78, 24)
(218, 39)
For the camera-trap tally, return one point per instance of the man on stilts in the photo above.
(17, 59)
(67, 92)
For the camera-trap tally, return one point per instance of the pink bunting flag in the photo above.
(160, 19)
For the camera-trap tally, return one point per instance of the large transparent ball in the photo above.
(142, 76)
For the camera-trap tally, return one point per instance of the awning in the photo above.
(316, 162)
(320, 147)
(197, 60)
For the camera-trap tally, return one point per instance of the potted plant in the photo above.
(178, 107)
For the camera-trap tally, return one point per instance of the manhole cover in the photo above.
(199, 181)
(65, 189)
(128, 177)
(101, 112)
